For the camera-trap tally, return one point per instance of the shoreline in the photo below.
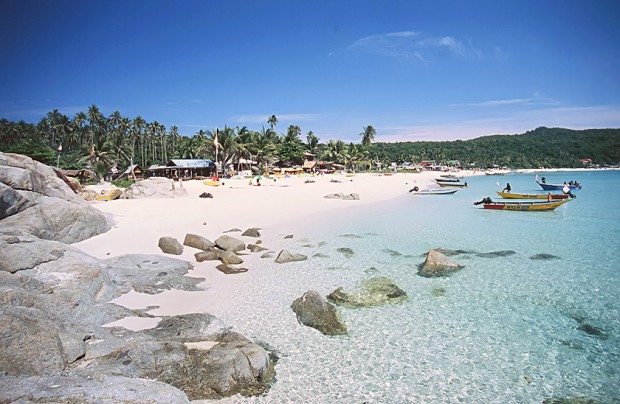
(280, 207)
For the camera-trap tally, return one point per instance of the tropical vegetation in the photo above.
(98, 142)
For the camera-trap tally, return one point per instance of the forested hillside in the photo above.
(542, 147)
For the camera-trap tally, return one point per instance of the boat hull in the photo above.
(435, 192)
(510, 195)
(452, 184)
(557, 187)
(525, 206)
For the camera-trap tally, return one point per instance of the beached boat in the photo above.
(436, 191)
(525, 206)
(211, 183)
(510, 195)
(452, 184)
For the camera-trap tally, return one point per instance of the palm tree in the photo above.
(99, 157)
(174, 136)
(263, 146)
(312, 143)
(95, 122)
(272, 121)
(53, 119)
(368, 135)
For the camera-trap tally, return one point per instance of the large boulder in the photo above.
(53, 306)
(199, 242)
(35, 200)
(78, 389)
(372, 292)
(438, 264)
(229, 243)
(170, 245)
(314, 311)
(154, 187)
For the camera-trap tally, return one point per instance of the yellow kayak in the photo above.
(113, 194)
(211, 183)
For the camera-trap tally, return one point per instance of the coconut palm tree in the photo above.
(272, 121)
(368, 135)
(99, 157)
(263, 147)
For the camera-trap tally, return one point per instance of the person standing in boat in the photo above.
(507, 189)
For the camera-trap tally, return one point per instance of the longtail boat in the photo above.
(525, 206)
(447, 179)
(437, 191)
(557, 187)
(452, 184)
(510, 195)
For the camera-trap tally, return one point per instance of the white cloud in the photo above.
(411, 44)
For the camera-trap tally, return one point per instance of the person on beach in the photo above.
(507, 189)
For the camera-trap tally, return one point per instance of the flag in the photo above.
(59, 147)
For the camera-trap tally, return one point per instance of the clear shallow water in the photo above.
(502, 330)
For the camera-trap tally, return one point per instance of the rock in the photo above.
(199, 242)
(256, 248)
(340, 195)
(572, 400)
(372, 292)
(35, 201)
(287, 256)
(154, 187)
(314, 311)
(268, 254)
(78, 389)
(347, 252)
(544, 256)
(495, 254)
(18, 254)
(170, 245)
(207, 256)
(229, 243)
(391, 252)
(251, 232)
(288, 236)
(233, 230)
(438, 264)
(230, 270)
(451, 253)
(229, 258)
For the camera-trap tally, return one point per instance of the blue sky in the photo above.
(414, 70)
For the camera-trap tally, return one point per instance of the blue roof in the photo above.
(190, 163)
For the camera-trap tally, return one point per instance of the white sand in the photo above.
(287, 203)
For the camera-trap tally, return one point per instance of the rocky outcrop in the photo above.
(34, 200)
(170, 245)
(286, 256)
(438, 264)
(52, 309)
(154, 187)
(372, 292)
(314, 311)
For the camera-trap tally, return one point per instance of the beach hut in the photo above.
(133, 171)
(183, 168)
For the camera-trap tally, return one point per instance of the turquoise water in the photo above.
(505, 329)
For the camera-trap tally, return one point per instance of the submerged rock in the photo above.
(495, 254)
(438, 264)
(314, 311)
(372, 292)
(347, 252)
(286, 256)
(572, 400)
(544, 256)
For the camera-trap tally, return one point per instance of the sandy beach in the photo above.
(284, 205)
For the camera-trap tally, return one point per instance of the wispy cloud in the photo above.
(536, 99)
(410, 45)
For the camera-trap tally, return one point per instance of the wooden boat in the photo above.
(510, 195)
(557, 187)
(453, 184)
(447, 180)
(437, 191)
(525, 206)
